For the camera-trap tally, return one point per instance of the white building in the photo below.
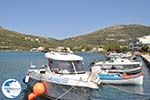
(145, 40)
(40, 49)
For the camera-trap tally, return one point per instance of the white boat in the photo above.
(130, 71)
(122, 55)
(119, 61)
(64, 71)
(120, 64)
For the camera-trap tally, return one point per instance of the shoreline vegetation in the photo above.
(113, 38)
(103, 52)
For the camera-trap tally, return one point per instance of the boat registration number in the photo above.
(58, 79)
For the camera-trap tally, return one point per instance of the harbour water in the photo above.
(15, 64)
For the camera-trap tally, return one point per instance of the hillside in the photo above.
(121, 34)
(10, 40)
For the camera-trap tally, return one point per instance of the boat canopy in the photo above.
(63, 56)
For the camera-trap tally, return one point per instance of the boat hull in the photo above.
(136, 80)
(131, 71)
(63, 92)
(87, 79)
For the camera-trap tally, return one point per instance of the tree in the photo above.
(113, 47)
(124, 49)
(145, 48)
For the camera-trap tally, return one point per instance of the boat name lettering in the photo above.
(58, 79)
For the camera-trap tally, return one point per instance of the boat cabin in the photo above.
(64, 63)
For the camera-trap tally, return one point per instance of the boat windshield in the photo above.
(65, 66)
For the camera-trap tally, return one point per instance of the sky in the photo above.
(61, 19)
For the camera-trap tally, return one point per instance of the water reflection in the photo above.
(131, 89)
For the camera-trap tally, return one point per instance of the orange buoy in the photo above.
(39, 89)
(31, 96)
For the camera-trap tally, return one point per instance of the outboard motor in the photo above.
(95, 71)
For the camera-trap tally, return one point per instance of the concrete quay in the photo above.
(146, 58)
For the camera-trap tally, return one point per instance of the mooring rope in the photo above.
(138, 93)
(68, 90)
(65, 93)
(147, 83)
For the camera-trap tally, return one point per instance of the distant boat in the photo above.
(122, 55)
(120, 65)
(64, 73)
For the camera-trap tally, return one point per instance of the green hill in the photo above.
(120, 34)
(10, 40)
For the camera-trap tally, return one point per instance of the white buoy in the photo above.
(27, 79)
(32, 66)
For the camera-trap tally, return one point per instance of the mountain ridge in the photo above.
(120, 34)
(14, 40)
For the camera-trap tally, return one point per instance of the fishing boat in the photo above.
(120, 79)
(120, 65)
(120, 71)
(119, 61)
(63, 76)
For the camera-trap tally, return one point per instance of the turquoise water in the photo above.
(15, 65)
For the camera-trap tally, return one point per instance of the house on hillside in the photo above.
(135, 45)
(145, 40)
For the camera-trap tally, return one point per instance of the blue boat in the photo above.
(122, 79)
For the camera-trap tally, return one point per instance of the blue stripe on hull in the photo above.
(109, 77)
